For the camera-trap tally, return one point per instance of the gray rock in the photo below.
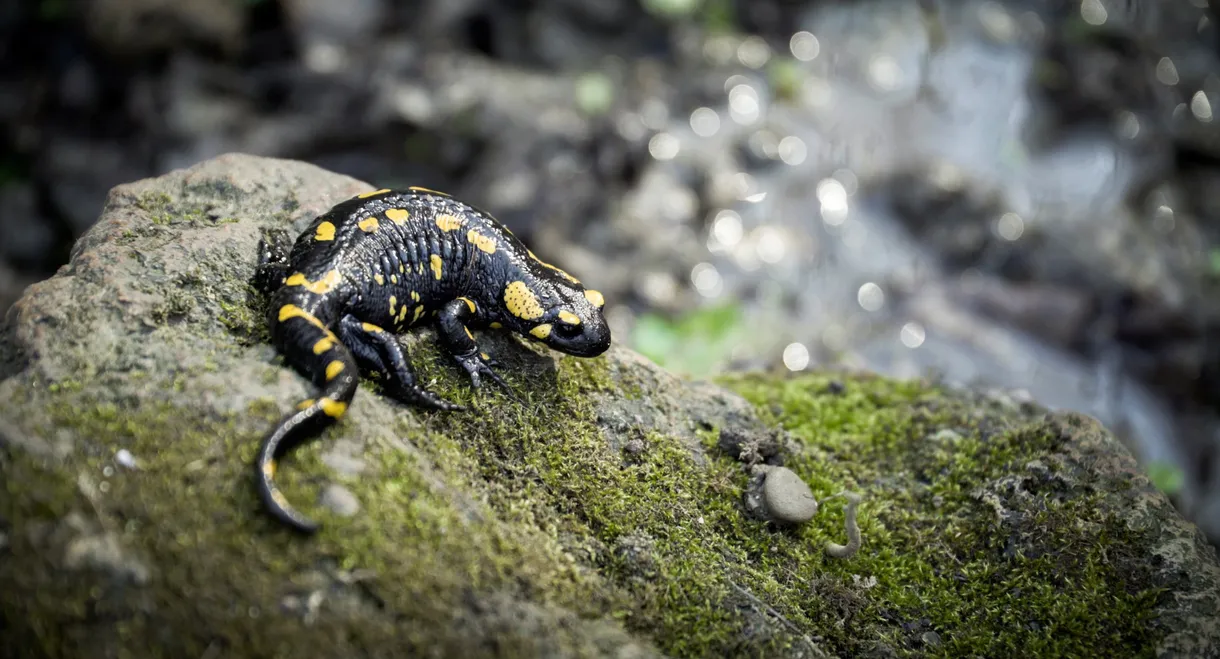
(787, 498)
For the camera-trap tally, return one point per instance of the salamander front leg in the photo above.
(272, 267)
(377, 349)
(461, 345)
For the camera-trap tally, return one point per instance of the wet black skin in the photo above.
(330, 306)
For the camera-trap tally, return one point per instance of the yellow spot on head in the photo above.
(397, 215)
(521, 301)
(321, 287)
(325, 343)
(305, 404)
(468, 333)
(569, 317)
(326, 231)
(369, 327)
(469, 303)
(368, 225)
(374, 193)
(482, 242)
(436, 266)
(419, 189)
(379, 279)
(595, 298)
(485, 356)
(448, 222)
(333, 408)
(419, 311)
(333, 369)
(541, 331)
(495, 326)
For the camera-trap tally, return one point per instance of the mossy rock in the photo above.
(594, 517)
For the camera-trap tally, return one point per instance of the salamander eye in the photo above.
(567, 331)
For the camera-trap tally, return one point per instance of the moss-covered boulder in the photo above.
(597, 516)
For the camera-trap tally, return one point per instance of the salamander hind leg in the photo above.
(461, 345)
(377, 349)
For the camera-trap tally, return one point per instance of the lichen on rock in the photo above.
(596, 517)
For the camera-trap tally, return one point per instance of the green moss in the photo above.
(949, 533)
(968, 551)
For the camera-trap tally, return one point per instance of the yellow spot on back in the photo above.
(397, 215)
(322, 286)
(469, 303)
(419, 311)
(369, 327)
(325, 343)
(402, 269)
(569, 317)
(485, 356)
(495, 326)
(521, 301)
(269, 467)
(379, 279)
(541, 331)
(326, 231)
(368, 225)
(393, 279)
(374, 193)
(448, 222)
(419, 189)
(436, 266)
(293, 311)
(333, 408)
(393, 303)
(595, 298)
(414, 296)
(468, 332)
(305, 404)
(482, 242)
(402, 313)
(333, 369)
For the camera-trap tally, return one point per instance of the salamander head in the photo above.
(563, 316)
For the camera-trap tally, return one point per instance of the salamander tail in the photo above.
(330, 364)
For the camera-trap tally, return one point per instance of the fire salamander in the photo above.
(381, 262)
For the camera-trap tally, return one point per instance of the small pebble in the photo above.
(125, 459)
(340, 500)
(787, 497)
(634, 447)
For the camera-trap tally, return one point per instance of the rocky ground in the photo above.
(1008, 194)
(608, 513)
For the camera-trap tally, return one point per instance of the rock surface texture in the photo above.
(598, 517)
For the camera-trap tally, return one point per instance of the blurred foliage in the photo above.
(1166, 477)
(693, 344)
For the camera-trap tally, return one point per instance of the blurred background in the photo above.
(1008, 195)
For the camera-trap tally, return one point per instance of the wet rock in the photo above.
(504, 525)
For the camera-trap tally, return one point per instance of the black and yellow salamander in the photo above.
(381, 262)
